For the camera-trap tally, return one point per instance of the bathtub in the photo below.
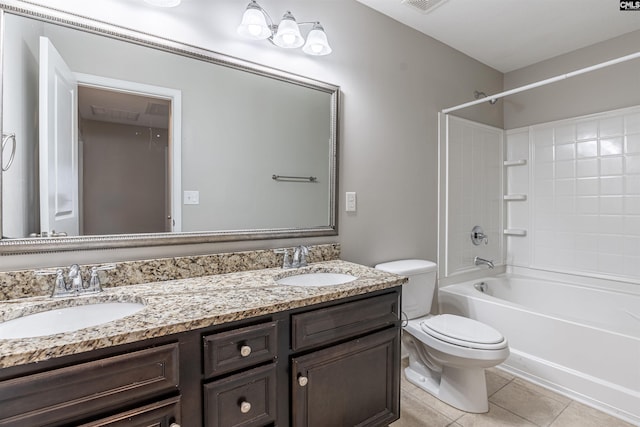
(582, 341)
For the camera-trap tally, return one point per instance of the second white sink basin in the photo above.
(66, 319)
(316, 279)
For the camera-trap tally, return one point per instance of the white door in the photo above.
(59, 207)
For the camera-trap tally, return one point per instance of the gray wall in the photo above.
(394, 81)
(617, 86)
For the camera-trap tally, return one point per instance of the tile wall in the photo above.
(474, 193)
(583, 181)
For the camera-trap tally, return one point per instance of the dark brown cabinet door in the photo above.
(350, 384)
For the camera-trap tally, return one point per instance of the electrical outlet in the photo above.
(351, 201)
(191, 198)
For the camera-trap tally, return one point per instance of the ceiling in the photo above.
(511, 34)
(126, 108)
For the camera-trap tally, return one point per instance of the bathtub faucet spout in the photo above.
(480, 261)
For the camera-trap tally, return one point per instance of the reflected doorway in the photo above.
(124, 154)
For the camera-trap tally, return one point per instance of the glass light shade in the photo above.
(163, 3)
(317, 43)
(288, 34)
(254, 23)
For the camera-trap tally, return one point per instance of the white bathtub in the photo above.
(581, 341)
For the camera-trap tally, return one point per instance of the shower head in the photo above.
(479, 95)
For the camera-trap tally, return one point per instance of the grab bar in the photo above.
(5, 138)
(293, 178)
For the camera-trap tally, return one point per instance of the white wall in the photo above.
(394, 81)
(20, 184)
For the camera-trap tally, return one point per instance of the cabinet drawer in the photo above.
(327, 325)
(247, 399)
(239, 348)
(71, 393)
(158, 414)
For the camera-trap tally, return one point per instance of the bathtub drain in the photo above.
(481, 286)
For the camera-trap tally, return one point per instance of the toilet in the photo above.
(447, 354)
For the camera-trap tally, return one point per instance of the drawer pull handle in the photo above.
(245, 407)
(245, 351)
(303, 381)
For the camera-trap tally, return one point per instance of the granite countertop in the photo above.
(182, 305)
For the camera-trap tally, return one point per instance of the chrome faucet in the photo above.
(286, 261)
(75, 276)
(300, 256)
(75, 285)
(480, 261)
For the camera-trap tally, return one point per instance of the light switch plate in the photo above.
(191, 197)
(351, 201)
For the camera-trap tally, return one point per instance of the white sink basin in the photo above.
(316, 279)
(66, 319)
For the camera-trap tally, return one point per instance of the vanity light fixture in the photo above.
(164, 3)
(257, 25)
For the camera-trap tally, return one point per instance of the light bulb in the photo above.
(254, 23)
(288, 34)
(317, 43)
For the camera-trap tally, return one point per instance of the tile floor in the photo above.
(512, 402)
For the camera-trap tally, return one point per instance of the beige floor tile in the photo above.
(495, 381)
(499, 372)
(543, 391)
(579, 415)
(528, 404)
(496, 417)
(415, 413)
(428, 399)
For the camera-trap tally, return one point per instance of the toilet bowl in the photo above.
(447, 354)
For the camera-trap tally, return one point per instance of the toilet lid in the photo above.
(462, 331)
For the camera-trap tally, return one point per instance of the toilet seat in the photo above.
(462, 331)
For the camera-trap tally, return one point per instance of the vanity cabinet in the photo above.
(330, 364)
(69, 394)
(352, 375)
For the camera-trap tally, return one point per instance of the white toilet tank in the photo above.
(417, 293)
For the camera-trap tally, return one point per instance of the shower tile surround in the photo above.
(583, 178)
(24, 283)
(474, 193)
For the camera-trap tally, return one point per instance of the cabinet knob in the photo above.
(303, 381)
(245, 407)
(245, 350)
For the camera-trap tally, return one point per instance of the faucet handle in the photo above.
(60, 287)
(304, 252)
(94, 280)
(286, 263)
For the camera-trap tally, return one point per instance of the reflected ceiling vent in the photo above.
(423, 6)
(157, 109)
(114, 113)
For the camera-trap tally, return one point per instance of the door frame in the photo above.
(175, 127)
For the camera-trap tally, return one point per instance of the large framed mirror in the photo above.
(124, 139)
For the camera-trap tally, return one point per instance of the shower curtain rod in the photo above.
(544, 82)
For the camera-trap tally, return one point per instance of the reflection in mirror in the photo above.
(145, 140)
